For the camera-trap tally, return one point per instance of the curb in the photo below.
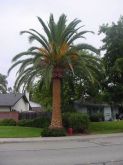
(57, 139)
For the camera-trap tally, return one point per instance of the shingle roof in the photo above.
(10, 99)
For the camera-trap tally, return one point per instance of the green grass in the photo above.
(106, 127)
(94, 128)
(16, 132)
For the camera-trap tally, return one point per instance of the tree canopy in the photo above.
(113, 60)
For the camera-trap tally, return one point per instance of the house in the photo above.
(11, 104)
(108, 111)
(35, 106)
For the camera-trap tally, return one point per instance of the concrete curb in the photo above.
(57, 139)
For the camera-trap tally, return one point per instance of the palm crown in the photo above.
(56, 51)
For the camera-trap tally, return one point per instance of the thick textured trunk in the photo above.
(56, 121)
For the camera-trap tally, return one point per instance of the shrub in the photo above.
(38, 122)
(65, 118)
(41, 122)
(78, 121)
(7, 122)
(47, 132)
(25, 123)
(97, 117)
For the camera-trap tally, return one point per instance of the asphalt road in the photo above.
(97, 151)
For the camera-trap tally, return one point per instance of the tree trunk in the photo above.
(56, 121)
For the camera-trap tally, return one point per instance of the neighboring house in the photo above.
(35, 106)
(35, 112)
(11, 104)
(109, 112)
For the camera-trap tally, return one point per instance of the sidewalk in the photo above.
(56, 139)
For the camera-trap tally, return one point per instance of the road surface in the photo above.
(96, 151)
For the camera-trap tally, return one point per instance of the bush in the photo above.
(97, 117)
(7, 122)
(25, 123)
(78, 121)
(41, 122)
(38, 122)
(47, 132)
(65, 119)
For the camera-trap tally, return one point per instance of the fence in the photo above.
(9, 115)
(33, 115)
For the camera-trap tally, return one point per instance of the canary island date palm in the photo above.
(56, 53)
(3, 83)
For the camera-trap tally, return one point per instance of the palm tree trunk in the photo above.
(56, 121)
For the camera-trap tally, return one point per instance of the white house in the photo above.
(11, 104)
(109, 112)
(14, 102)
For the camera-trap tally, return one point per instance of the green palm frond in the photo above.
(37, 38)
(41, 36)
(46, 29)
(78, 35)
(33, 48)
(56, 49)
(87, 47)
(20, 55)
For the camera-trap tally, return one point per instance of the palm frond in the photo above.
(84, 46)
(24, 54)
(46, 29)
(35, 37)
(77, 35)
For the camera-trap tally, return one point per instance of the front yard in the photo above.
(16, 132)
(94, 128)
(106, 127)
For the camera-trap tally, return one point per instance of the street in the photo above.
(96, 151)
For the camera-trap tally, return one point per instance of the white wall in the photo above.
(21, 106)
(4, 109)
(107, 113)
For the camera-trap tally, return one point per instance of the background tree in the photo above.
(57, 53)
(113, 60)
(41, 96)
(3, 83)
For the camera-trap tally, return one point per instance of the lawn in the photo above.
(16, 132)
(94, 128)
(106, 127)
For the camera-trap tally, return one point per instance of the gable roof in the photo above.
(34, 104)
(11, 99)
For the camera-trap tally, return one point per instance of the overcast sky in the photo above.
(16, 16)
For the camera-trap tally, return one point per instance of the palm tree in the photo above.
(3, 83)
(56, 54)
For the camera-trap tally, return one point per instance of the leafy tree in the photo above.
(57, 53)
(41, 96)
(113, 60)
(3, 83)
(78, 87)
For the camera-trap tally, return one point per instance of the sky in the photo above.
(16, 16)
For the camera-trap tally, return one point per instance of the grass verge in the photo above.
(106, 127)
(18, 132)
